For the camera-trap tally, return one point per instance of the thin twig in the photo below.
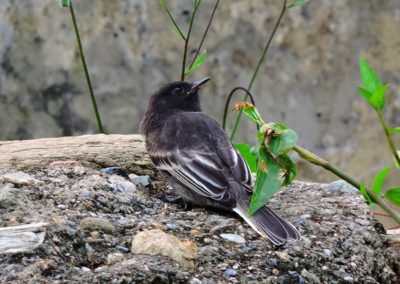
(89, 83)
(204, 34)
(187, 43)
(258, 66)
(389, 137)
(380, 213)
(228, 100)
(393, 227)
(313, 158)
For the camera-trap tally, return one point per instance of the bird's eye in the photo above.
(177, 90)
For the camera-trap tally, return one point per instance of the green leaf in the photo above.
(197, 63)
(290, 167)
(379, 179)
(177, 29)
(394, 130)
(297, 3)
(377, 100)
(370, 80)
(395, 160)
(393, 195)
(267, 182)
(247, 154)
(366, 196)
(64, 3)
(251, 112)
(196, 4)
(178, 32)
(283, 143)
(366, 94)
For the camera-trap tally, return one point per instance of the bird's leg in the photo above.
(175, 200)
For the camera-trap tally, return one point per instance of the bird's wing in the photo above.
(201, 157)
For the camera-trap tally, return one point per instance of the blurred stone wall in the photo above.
(308, 82)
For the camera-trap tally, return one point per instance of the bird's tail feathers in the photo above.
(268, 224)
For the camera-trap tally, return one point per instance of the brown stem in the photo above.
(204, 34)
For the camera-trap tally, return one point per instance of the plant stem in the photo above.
(258, 66)
(313, 158)
(228, 102)
(187, 43)
(204, 34)
(96, 111)
(172, 19)
(388, 136)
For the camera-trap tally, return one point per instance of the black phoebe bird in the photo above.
(196, 157)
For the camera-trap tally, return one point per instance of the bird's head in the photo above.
(177, 96)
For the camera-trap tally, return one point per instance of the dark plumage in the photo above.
(196, 157)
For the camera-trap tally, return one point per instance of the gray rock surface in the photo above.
(92, 222)
(308, 81)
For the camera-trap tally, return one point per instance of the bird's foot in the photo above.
(175, 200)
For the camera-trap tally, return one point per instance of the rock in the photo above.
(310, 277)
(114, 257)
(195, 280)
(283, 255)
(122, 249)
(341, 186)
(230, 272)
(155, 242)
(8, 197)
(19, 178)
(272, 262)
(22, 239)
(328, 253)
(233, 238)
(91, 223)
(143, 180)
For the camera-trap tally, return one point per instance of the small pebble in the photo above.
(233, 238)
(122, 249)
(328, 253)
(304, 217)
(230, 272)
(85, 269)
(272, 262)
(245, 249)
(171, 226)
(275, 272)
(348, 279)
(143, 180)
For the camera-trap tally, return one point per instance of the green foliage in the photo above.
(370, 80)
(373, 91)
(64, 3)
(247, 153)
(251, 112)
(396, 163)
(297, 3)
(366, 196)
(394, 130)
(393, 195)
(274, 167)
(378, 181)
(197, 63)
(175, 28)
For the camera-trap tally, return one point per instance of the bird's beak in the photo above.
(196, 85)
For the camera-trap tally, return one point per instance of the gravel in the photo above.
(94, 217)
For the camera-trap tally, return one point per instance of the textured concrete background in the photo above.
(309, 81)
